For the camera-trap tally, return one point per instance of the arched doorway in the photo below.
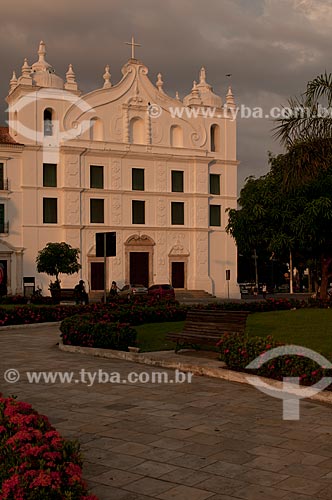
(139, 260)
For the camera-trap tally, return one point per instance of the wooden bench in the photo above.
(70, 295)
(206, 327)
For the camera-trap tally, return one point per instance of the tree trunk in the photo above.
(309, 281)
(290, 272)
(325, 262)
(256, 268)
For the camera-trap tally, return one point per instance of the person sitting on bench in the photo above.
(80, 294)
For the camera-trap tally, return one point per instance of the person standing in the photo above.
(114, 289)
(264, 290)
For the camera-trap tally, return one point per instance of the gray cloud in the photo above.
(272, 48)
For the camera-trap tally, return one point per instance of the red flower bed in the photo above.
(36, 463)
(238, 350)
(137, 311)
(267, 305)
(134, 312)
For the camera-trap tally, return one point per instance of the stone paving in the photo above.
(210, 439)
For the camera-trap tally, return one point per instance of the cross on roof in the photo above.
(133, 45)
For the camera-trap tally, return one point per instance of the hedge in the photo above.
(138, 311)
(87, 331)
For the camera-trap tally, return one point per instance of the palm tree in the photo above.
(306, 132)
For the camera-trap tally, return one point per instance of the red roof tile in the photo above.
(5, 138)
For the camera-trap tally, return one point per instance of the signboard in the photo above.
(110, 244)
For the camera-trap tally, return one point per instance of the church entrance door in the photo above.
(178, 274)
(139, 268)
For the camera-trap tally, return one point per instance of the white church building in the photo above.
(158, 170)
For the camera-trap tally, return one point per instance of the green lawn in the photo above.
(308, 327)
(151, 337)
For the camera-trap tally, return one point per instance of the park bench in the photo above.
(69, 295)
(206, 327)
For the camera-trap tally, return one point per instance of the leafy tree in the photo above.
(265, 219)
(58, 258)
(280, 221)
(307, 135)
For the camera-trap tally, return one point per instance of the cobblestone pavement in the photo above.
(208, 439)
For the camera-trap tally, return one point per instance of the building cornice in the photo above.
(103, 193)
(11, 147)
(136, 228)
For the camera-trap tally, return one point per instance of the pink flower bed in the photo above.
(36, 463)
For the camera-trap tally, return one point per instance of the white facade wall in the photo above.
(206, 252)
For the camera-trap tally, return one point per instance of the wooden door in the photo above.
(178, 274)
(97, 275)
(139, 268)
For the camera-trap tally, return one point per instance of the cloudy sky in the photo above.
(271, 47)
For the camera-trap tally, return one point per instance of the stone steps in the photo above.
(192, 294)
(179, 295)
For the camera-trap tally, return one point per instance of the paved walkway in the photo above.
(208, 439)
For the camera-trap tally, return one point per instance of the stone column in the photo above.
(19, 272)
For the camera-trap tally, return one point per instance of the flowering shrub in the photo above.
(257, 306)
(41, 299)
(88, 331)
(108, 326)
(36, 463)
(13, 299)
(238, 350)
(35, 314)
(151, 312)
(135, 312)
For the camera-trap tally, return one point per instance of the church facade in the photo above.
(126, 157)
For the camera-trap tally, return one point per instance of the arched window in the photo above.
(215, 138)
(176, 136)
(136, 131)
(96, 130)
(48, 121)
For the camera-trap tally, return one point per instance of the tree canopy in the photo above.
(290, 208)
(273, 220)
(58, 258)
